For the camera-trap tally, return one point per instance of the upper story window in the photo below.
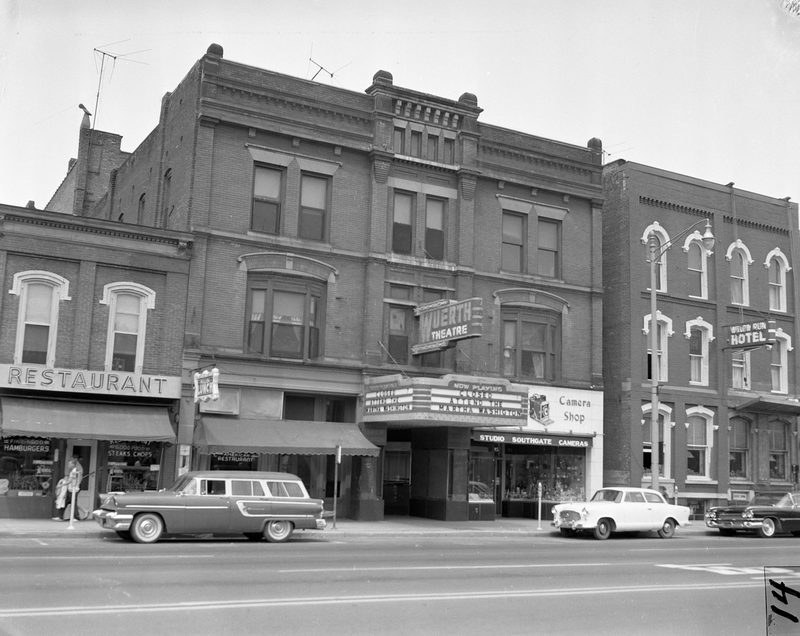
(37, 317)
(398, 140)
(699, 442)
(267, 199)
(140, 211)
(401, 324)
(777, 265)
(285, 317)
(739, 258)
(779, 362)
(531, 343)
(664, 331)
(513, 242)
(699, 333)
(434, 228)
(547, 258)
(403, 223)
(127, 324)
(313, 207)
(697, 264)
(661, 239)
(739, 448)
(166, 197)
(740, 369)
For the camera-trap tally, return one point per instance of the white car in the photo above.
(620, 510)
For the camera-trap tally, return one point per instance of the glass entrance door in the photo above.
(86, 453)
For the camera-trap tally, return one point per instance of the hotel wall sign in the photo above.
(442, 322)
(751, 335)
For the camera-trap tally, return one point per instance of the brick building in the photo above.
(382, 279)
(726, 368)
(91, 317)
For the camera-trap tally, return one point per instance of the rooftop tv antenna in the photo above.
(321, 68)
(114, 57)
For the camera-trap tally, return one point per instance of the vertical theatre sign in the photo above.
(443, 322)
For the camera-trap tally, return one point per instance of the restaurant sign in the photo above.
(41, 378)
(442, 322)
(751, 335)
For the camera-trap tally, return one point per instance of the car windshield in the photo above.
(608, 495)
(180, 483)
(789, 500)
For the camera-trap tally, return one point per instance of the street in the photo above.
(697, 583)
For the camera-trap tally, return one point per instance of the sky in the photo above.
(708, 88)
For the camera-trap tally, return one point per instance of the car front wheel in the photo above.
(278, 531)
(667, 529)
(147, 528)
(603, 529)
(768, 528)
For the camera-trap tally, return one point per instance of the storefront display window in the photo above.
(560, 472)
(133, 466)
(481, 476)
(26, 465)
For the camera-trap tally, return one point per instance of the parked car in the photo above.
(256, 504)
(620, 510)
(757, 516)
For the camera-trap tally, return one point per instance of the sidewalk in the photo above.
(344, 527)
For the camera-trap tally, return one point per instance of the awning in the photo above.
(218, 434)
(81, 420)
(771, 404)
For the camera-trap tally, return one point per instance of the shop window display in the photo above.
(26, 465)
(133, 466)
(560, 472)
(481, 477)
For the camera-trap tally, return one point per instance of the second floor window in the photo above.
(285, 318)
(39, 294)
(402, 225)
(740, 369)
(513, 242)
(267, 196)
(313, 207)
(549, 240)
(699, 333)
(128, 303)
(531, 344)
(779, 362)
(663, 331)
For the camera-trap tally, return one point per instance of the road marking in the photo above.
(97, 557)
(364, 599)
(726, 569)
(491, 566)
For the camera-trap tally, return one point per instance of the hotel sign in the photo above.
(751, 335)
(442, 322)
(40, 378)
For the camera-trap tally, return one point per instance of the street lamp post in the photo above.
(656, 252)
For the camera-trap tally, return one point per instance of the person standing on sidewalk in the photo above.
(74, 478)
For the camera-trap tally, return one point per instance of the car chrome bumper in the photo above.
(321, 524)
(112, 520)
(735, 524)
(576, 524)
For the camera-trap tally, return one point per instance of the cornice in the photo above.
(181, 244)
(707, 213)
(490, 151)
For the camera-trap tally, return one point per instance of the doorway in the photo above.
(86, 452)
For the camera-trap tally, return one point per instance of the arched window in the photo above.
(662, 239)
(699, 333)
(699, 442)
(697, 263)
(664, 325)
(779, 363)
(777, 265)
(739, 448)
(127, 324)
(664, 446)
(739, 258)
(37, 317)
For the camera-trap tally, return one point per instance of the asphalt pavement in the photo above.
(342, 527)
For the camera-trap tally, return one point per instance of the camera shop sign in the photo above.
(750, 335)
(442, 322)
